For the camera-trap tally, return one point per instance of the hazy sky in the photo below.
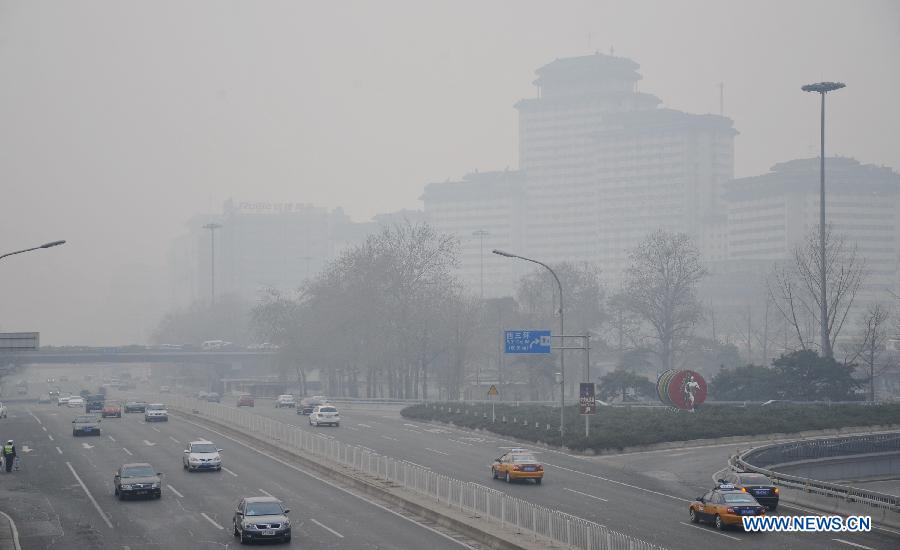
(121, 119)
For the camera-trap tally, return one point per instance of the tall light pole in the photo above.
(823, 88)
(481, 234)
(45, 245)
(562, 353)
(212, 260)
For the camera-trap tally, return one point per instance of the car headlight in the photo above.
(248, 525)
(193, 459)
(287, 523)
(126, 487)
(155, 485)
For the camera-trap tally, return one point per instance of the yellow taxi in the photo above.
(517, 464)
(724, 506)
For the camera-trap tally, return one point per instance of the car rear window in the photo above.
(523, 458)
(755, 479)
(327, 410)
(738, 498)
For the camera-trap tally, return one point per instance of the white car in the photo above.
(60, 401)
(202, 455)
(75, 402)
(156, 412)
(325, 415)
(285, 401)
(2, 410)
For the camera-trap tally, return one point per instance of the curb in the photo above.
(487, 533)
(9, 535)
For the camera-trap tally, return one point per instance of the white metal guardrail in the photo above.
(773, 454)
(538, 522)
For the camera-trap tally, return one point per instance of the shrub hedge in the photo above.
(620, 427)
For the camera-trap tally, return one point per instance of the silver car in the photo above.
(261, 518)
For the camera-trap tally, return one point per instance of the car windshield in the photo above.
(739, 498)
(755, 480)
(327, 410)
(86, 419)
(156, 407)
(264, 508)
(138, 471)
(523, 458)
(203, 448)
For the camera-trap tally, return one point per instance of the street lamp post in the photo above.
(481, 234)
(45, 245)
(212, 260)
(823, 88)
(562, 353)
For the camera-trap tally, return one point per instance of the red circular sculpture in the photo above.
(683, 389)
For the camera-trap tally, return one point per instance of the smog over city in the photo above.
(487, 241)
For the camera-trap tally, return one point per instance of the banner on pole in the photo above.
(586, 399)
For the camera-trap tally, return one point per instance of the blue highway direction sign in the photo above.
(527, 341)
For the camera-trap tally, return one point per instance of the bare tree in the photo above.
(661, 287)
(868, 345)
(796, 288)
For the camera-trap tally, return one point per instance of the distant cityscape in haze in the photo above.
(602, 165)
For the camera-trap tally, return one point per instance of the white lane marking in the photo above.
(15, 532)
(710, 531)
(267, 493)
(44, 428)
(111, 438)
(149, 443)
(460, 442)
(364, 425)
(211, 520)
(330, 484)
(90, 496)
(50, 436)
(584, 494)
(229, 471)
(173, 439)
(127, 451)
(329, 529)
(436, 451)
(87, 445)
(59, 450)
(390, 438)
(853, 544)
(155, 428)
(352, 428)
(618, 483)
(33, 416)
(174, 491)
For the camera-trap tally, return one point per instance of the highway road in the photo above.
(63, 496)
(642, 494)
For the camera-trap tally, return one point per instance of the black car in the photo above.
(94, 403)
(308, 405)
(758, 485)
(86, 424)
(135, 406)
(261, 518)
(137, 479)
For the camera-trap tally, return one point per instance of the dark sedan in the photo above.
(135, 407)
(137, 479)
(261, 518)
(758, 485)
(86, 424)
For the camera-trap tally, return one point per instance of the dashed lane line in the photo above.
(59, 450)
(90, 496)
(329, 529)
(155, 428)
(175, 440)
(111, 438)
(211, 520)
(853, 544)
(127, 451)
(617, 482)
(44, 428)
(229, 471)
(50, 436)
(174, 490)
(267, 493)
(585, 494)
(437, 451)
(709, 531)
(35, 417)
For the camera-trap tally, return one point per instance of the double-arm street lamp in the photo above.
(45, 245)
(562, 356)
(823, 88)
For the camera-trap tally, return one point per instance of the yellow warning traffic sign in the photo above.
(493, 390)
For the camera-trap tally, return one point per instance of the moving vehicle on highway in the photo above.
(137, 479)
(75, 402)
(325, 415)
(86, 424)
(309, 404)
(111, 410)
(724, 506)
(261, 518)
(245, 400)
(285, 400)
(761, 487)
(517, 464)
(94, 403)
(53, 393)
(135, 406)
(156, 412)
(213, 397)
(202, 455)
(62, 400)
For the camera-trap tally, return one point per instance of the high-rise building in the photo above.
(770, 214)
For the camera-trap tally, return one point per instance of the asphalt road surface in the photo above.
(63, 496)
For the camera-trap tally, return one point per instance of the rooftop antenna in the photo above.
(721, 99)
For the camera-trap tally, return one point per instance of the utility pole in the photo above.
(212, 226)
(823, 88)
